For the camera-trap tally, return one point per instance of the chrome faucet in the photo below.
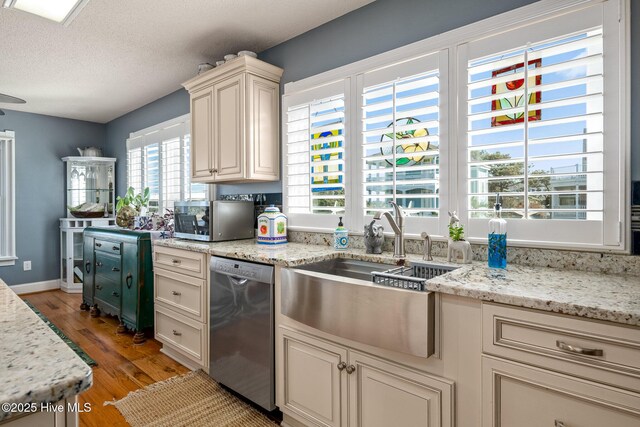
(397, 225)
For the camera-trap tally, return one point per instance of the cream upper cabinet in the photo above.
(234, 122)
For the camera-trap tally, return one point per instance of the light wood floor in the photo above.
(122, 366)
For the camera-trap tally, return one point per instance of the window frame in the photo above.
(8, 206)
(615, 22)
(179, 127)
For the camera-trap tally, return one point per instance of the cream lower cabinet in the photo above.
(181, 305)
(517, 395)
(235, 122)
(331, 385)
(544, 369)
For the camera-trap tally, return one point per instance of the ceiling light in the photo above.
(62, 11)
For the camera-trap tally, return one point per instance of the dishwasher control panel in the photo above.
(241, 269)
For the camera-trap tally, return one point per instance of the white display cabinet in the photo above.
(90, 201)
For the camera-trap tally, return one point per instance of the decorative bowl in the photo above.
(247, 53)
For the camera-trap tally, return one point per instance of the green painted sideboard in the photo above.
(118, 277)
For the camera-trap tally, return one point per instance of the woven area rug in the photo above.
(75, 347)
(193, 399)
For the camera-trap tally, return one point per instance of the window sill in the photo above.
(8, 261)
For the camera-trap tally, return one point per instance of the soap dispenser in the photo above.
(340, 237)
(497, 238)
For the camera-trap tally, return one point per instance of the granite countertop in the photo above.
(37, 366)
(614, 298)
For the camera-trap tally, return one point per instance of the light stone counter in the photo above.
(615, 298)
(36, 366)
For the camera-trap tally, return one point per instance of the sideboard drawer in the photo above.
(184, 294)
(108, 291)
(108, 246)
(591, 349)
(181, 261)
(182, 334)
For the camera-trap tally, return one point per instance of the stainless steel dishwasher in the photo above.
(241, 344)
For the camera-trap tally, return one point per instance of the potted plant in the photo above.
(456, 241)
(130, 206)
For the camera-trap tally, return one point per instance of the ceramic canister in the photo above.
(272, 226)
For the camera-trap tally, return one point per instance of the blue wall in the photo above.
(41, 142)
(168, 107)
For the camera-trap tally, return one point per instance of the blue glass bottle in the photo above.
(497, 238)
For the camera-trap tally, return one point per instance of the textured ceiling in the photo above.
(118, 55)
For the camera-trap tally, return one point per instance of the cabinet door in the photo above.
(130, 286)
(522, 396)
(314, 386)
(201, 136)
(88, 266)
(382, 394)
(228, 128)
(263, 130)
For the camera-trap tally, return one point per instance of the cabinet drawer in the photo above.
(523, 396)
(181, 261)
(591, 349)
(108, 291)
(184, 294)
(108, 246)
(108, 266)
(182, 334)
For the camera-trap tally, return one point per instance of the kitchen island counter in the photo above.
(37, 366)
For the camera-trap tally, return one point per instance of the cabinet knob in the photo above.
(215, 170)
(176, 333)
(115, 269)
(98, 287)
(341, 366)
(558, 424)
(115, 294)
(176, 261)
(98, 264)
(116, 248)
(176, 293)
(351, 369)
(98, 244)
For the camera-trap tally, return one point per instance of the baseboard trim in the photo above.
(30, 288)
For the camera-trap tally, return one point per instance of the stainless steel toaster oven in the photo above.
(214, 221)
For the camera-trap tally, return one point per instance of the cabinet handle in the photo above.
(98, 244)
(214, 170)
(176, 293)
(176, 333)
(579, 350)
(129, 280)
(351, 369)
(341, 366)
(99, 287)
(115, 294)
(558, 424)
(98, 264)
(176, 261)
(116, 248)
(87, 266)
(115, 269)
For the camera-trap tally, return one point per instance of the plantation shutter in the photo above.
(158, 158)
(401, 139)
(316, 156)
(535, 129)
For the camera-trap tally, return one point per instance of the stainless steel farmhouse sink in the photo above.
(374, 304)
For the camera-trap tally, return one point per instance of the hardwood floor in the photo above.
(122, 366)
